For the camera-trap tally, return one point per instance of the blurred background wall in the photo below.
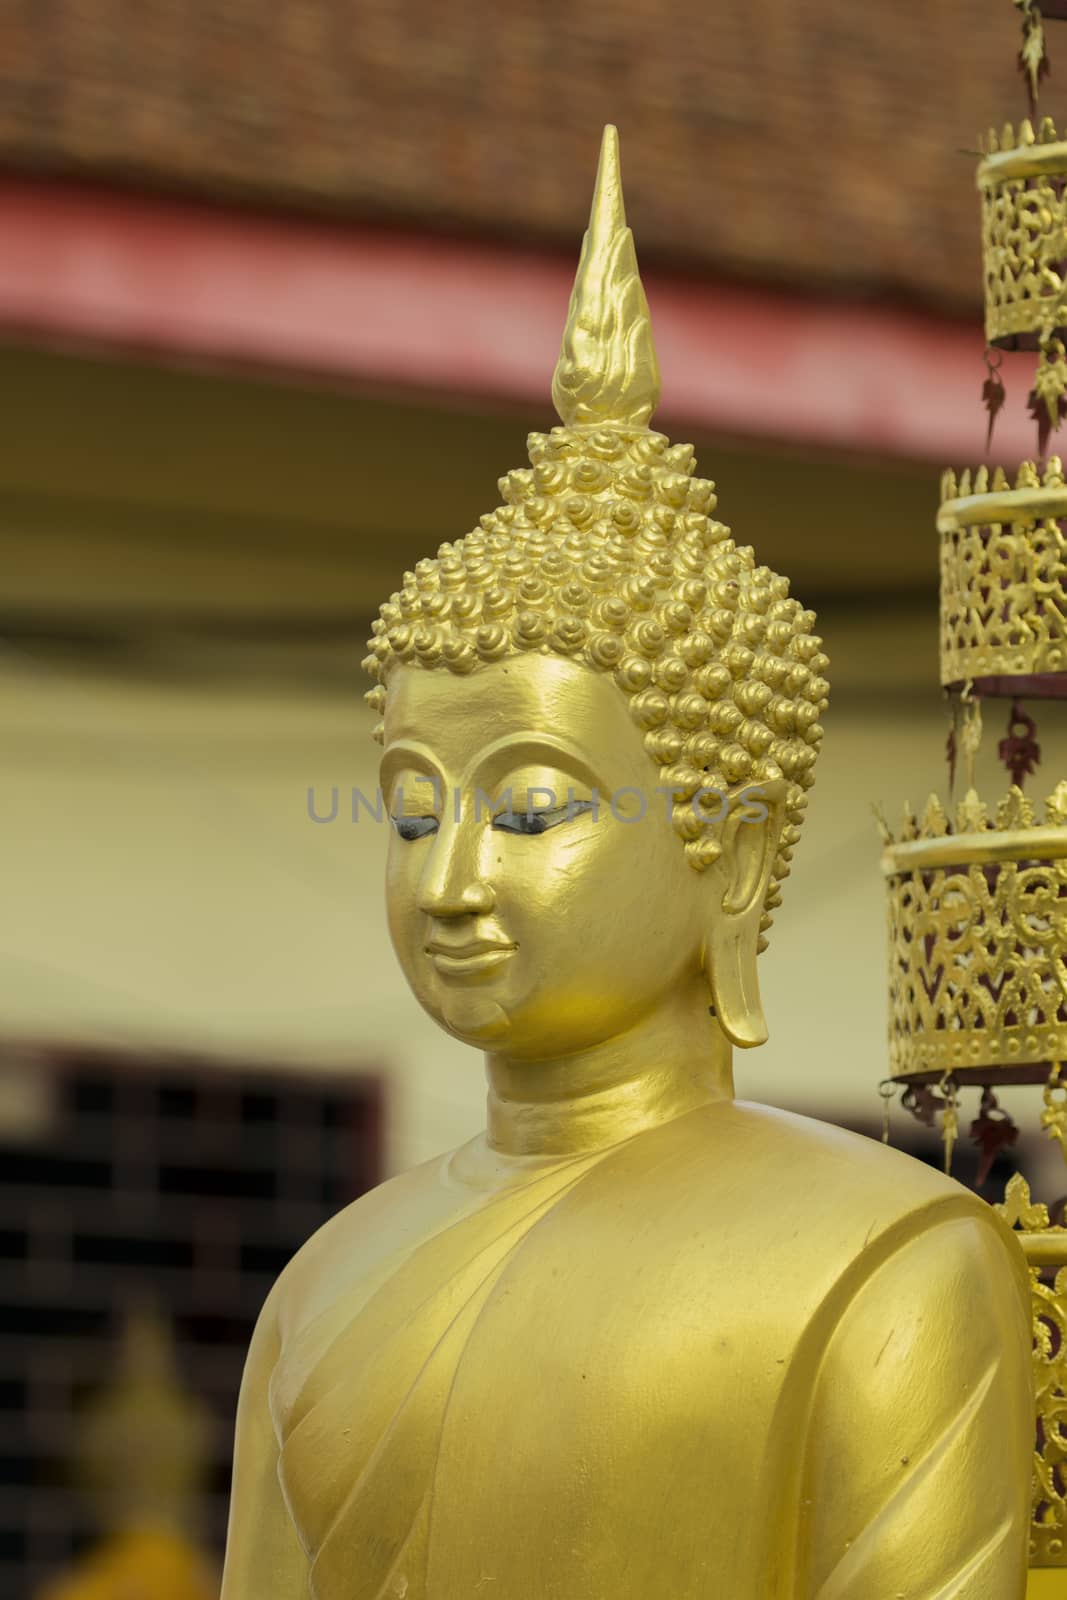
(281, 290)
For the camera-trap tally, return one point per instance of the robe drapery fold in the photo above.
(365, 1427)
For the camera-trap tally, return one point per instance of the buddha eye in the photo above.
(411, 828)
(531, 822)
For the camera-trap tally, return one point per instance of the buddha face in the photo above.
(539, 898)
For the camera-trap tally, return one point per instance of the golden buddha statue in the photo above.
(143, 1459)
(637, 1339)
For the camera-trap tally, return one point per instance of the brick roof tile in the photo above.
(815, 145)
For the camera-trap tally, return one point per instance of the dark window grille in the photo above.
(191, 1183)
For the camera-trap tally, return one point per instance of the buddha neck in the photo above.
(670, 1063)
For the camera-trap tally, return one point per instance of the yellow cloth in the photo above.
(147, 1565)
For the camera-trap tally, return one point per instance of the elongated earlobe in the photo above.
(742, 875)
(730, 965)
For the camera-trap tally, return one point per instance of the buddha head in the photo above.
(600, 719)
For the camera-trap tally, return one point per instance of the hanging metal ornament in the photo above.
(1019, 749)
(1033, 56)
(1048, 398)
(971, 730)
(952, 746)
(993, 1131)
(993, 395)
(950, 1118)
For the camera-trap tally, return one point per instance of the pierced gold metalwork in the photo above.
(1003, 574)
(978, 895)
(978, 941)
(1024, 233)
(1045, 1248)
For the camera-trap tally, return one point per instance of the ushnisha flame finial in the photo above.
(607, 372)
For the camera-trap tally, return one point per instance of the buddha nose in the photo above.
(452, 884)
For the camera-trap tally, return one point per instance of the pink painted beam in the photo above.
(429, 314)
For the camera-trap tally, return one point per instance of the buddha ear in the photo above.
(749, 837)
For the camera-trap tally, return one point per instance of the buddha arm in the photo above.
(264, 1558)
(917, 1471)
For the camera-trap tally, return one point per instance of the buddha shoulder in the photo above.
(812, 1161)
(366, 1240)
(753, 1184)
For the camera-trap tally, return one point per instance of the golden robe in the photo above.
(740, 1355)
